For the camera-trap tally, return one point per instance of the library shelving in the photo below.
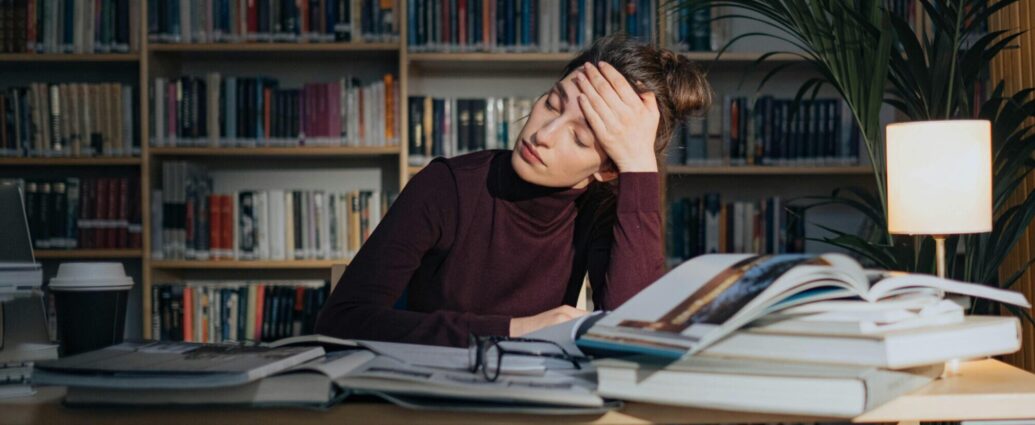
(417, 73)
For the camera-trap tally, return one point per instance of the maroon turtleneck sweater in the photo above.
(475, 245)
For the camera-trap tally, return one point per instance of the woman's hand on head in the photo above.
(624, 122)
(528, 324)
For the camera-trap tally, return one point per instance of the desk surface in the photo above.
(986, 389)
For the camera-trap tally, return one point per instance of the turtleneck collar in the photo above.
(540, 203)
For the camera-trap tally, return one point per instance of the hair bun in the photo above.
(688, 85)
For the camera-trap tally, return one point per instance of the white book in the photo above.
(234, 306)
(758, 386)
(975, 337)
(276, 217)
(375, 210)
(321, 226)
(343, 230)
(289, 226)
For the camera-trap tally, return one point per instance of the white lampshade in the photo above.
(939, 177)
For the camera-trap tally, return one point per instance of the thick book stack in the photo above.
(223, 311)
(769, 132)
(190, 221)
(83, 212)
(233, 21)
(225, 111)
(69, 26)
(68, 119)
(524, 25)
(449, 126)
(706, 225)
(696, 31)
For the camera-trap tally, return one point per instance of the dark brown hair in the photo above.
(680, 87)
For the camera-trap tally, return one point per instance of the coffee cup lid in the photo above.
(91, 277)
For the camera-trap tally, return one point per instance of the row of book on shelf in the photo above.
(69, 26)
(523, 25)
(452, 126)
(230, 21)
(191, 221)
(68, 119)
(235, 311)
(769, 131)
(229, 111)
(83, 212)
(707, 225)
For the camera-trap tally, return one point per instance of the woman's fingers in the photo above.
(592, 117)
(605, 88)
(620, 84)
(601, 107)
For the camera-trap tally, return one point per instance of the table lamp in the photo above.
(939, 182)
(939, 179)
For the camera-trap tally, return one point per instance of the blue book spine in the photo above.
(411, 19)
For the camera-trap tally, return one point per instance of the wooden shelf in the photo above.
(770, 170)
(87, 253)
(271, 47)
(246, 264)
(69, 57)
(314, 151)
(738, 57)
(76, 161)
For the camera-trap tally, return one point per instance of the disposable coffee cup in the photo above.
(90, 300)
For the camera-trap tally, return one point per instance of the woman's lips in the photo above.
(530, 154)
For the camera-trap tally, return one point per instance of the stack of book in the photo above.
(68, 119)
(227, 311)
(191, 221)
(791, 333)
(83, 212)
(707, 225)
(229, 21)
(48, 26)
(450, 126)
(227, 111)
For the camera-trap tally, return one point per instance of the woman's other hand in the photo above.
(525, 325)
(625, 123)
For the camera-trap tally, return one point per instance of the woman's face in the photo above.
(556, 147)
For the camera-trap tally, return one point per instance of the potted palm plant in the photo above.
(872, 57)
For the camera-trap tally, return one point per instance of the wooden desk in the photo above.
(986, 389)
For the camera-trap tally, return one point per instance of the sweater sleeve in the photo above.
(423, 218)
(628, 258)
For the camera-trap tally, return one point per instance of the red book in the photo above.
(253, 17)
(30, 24)
(112, 231)
(299, 298)
(215, 224)
(461, 21)
(389, 106)
(267, 93)
(260, 299)
(100, 214)
(445, 32)
(303, 13)
(188, 314)
(335, 103)
(227, 226)
(122, 231)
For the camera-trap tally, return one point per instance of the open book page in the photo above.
(449, 357)
(709, 296)
(565, 334)
(898, 282)
(385, 374)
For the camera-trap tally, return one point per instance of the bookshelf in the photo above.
(475, 74)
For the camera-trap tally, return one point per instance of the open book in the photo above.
(710, 296)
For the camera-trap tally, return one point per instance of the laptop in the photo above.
(20, 275)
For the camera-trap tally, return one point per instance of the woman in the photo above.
(498, 242)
